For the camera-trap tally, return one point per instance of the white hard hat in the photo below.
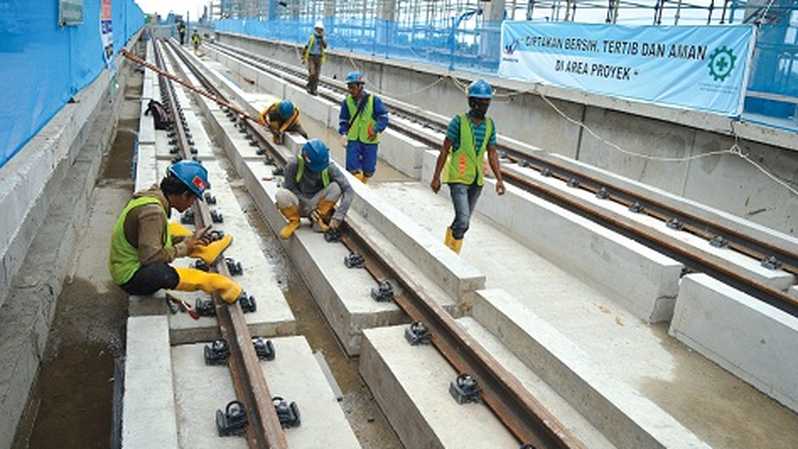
(319, 24)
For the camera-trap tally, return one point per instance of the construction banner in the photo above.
(693, 67)
(106, 30)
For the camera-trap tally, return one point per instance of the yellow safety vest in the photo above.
(300, 172)
(465, 163)
(279, 126)
(312, 41)
(124, 258)
(358, 129)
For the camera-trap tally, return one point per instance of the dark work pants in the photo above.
(464, 199)
(314, 70)
(150, 278)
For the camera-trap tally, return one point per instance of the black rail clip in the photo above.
(263, 348)
(772, 263)
(278, 171)
(528, 446)
(200, 264)
(523, 163)
(205, 307)
(332, 235)
(545, 172)
(354, 260)
(636, 207)
(193, 150)
(216, 353)
(177, 159)
(233, 267)
(260, 152)
(210, 199)
(247, 302)
(719, 242)
(418, 334)
(602, 193)
(173, 150)
(288, 414)
(675, 224)
(232, 421)
(383, 292)
(217, 217)
(187, 217)
(215, 235)
(573, 182)
(464, 389)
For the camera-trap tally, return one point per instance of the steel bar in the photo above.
(264, 429)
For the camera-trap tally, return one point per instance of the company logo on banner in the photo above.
(106, 30)
(695, 67)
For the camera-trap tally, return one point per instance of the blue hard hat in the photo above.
(316, 154)
(285, 108)
(355, 77)
(193, 175)
(480, 89)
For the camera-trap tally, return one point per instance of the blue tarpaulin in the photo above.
(42, 64)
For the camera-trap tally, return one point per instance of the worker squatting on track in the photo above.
(461, 162)
(313, 55)
(196, 40)
(311, 188)
(144, 242)
(362, 119)
(281, 117)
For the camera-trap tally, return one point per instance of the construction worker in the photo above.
(196, 40)
(362, 118)
(144, 242)
(181, 30)
(462, 160)
(313, 56)
(281, 117)
(311, 188)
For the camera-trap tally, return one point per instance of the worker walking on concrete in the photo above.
(281, 117)
(362, 118)
(313, 55)
(196, 40)
(181, 30)
(311, 188)
(461, 161)
(144, 242)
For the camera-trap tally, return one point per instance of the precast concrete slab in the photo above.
(411, 386)
(793, 291)
(294, 375)
(146, 134)
(146, 167)
(644, 281)
(746, 336)
(148, 404)
(312, 106)
(728, 258)
(618, 412)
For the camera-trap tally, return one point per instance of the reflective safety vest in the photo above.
(466, 163)
(124, 259)
(279, 125)
(300, 172)
(358, 129)
(310, 44)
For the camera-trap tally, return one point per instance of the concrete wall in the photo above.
(725, 182)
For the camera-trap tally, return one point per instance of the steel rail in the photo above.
(699, 226)
(679, 250)
(263, 429)
(523, 415)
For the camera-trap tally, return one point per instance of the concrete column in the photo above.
(492, 15)
(386, 21)
(329, 15)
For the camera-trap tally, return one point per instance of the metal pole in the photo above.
(530, 9)
(711, 7)
(723, 14)
(678, 13)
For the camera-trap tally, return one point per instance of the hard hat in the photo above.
(319, 24)
(355, 77)
(316, 154)
(286, 109)
(193, 175)
(480, 89)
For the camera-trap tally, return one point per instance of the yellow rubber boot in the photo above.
(448, 239)
(359, 175)
(211, 252)
(192, 280)
(364, 179)
(453, 244)
(291, 213)
(178, 230)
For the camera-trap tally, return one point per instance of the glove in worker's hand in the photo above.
(335, 224)
(372, 133)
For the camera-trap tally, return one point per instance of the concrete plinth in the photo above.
(148, 416)
(411, 385)
(294, 375)
(146, 167)
(751, 339)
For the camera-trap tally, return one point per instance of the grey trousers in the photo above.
(286, 198)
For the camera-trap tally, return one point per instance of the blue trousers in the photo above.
(464, 199)
(361, 157)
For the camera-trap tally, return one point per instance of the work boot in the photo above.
(291, 213)
(192, 280)
(321, 216)
(178, 230)
(453, 244)
(209, 253)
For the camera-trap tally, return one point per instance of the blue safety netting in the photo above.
(44, 64)
(458, 43)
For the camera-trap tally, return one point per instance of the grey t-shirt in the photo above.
(311, 183)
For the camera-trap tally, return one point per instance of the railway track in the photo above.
(718, 235)
(521, 413)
